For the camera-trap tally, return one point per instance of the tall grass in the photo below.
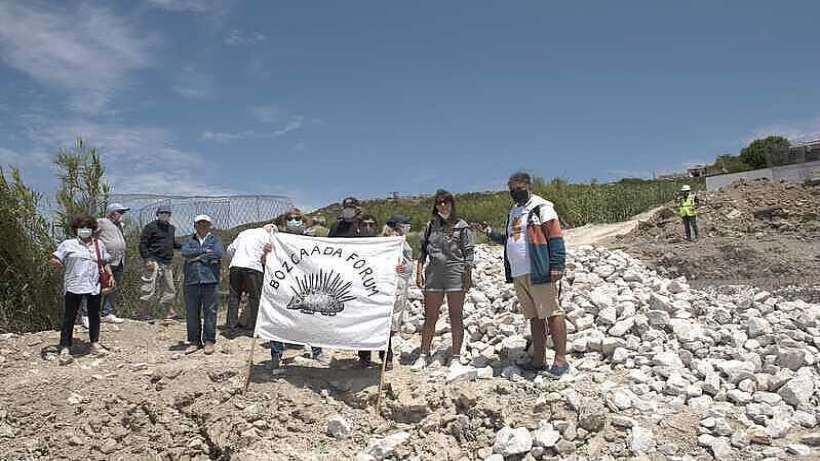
(30, 292)
(576, 204)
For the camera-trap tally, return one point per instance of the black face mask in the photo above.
(520, 196)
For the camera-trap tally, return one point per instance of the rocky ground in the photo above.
(660, 371)
(758, 233)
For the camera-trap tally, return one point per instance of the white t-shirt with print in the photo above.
(517, 248)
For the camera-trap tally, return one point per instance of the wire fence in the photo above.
(226, 212)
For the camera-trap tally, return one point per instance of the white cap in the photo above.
(685, 187)
(202, 217)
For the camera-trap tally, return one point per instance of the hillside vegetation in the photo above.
(576, 204)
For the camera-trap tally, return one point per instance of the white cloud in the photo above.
(12, 158)
(794, 132)
(140, 146)
(238, 38)
(220, 136)
(268, 114)
(138, 159)
(85, 51)
(166, 182)
(193, 90)
(193, 84)
(193, 6)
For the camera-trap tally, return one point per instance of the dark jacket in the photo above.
(157, 242)
(545, 243)
(348, 229)
(202, 261)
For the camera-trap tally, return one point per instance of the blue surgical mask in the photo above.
(295, 224)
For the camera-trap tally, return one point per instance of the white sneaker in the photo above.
(65, 356)
(420, 363)
(111, 318)
(98, 349)
(455, 362)
(84, 321)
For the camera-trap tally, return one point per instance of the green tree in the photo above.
(83, 187)
(728, 163)
(764, 152)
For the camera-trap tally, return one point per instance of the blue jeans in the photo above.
(200, 304)
(111, 299)
(278, 348)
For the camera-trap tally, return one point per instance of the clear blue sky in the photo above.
(323, 99)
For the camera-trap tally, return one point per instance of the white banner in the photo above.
(329, 292)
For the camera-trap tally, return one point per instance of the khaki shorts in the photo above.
(537, 301)
(160, 283)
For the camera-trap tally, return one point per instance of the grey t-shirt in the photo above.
(446, 244)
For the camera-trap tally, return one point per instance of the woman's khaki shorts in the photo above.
(537, 301)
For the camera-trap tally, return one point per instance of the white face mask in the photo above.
(348, 213)
(295, 225)
(84, 233)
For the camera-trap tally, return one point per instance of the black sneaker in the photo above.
(556, 372)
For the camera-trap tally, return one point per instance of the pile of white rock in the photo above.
(746, 362)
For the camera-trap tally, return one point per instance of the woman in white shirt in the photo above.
(80, 259)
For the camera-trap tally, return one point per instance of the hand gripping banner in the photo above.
(329, 292)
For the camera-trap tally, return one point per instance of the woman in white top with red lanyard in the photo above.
(87, 274)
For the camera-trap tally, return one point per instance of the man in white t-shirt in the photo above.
(247, 253)
(534, 258)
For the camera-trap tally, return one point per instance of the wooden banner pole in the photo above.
(381, 385)
(250, 365)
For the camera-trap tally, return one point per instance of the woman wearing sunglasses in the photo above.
(447, 250)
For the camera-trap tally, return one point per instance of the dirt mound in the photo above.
(747, 208)
(757, 232)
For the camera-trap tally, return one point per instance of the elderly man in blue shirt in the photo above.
(203, 253)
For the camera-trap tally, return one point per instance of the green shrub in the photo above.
(30, 292)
